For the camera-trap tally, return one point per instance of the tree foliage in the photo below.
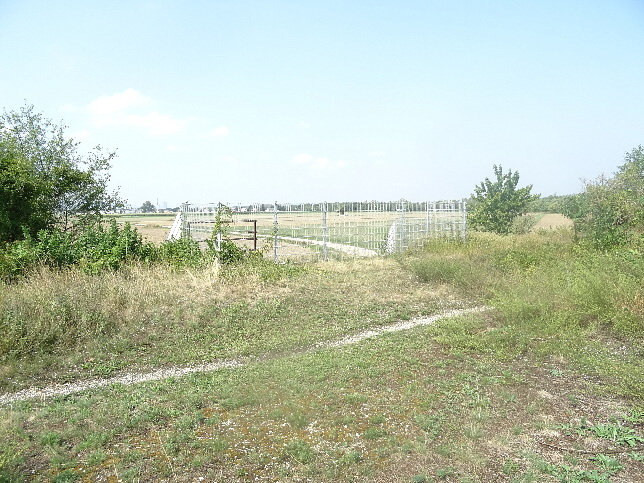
(148, 207)
(610, 212)
(496, 204)
(550, 204)
(19, 190)
(45, 180)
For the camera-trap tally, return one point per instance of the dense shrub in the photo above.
(183, 252)
(610, 213)
(95, 248)
(497, 203)
(17, 258)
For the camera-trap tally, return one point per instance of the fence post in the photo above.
(464, 206)
(436, 224)
(254, 235)
(218, 226)
(402, 226)
(275, 232)
(182, 209)
(324, 231)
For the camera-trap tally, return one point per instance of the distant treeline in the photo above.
(553, 204)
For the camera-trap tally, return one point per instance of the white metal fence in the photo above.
(320, 231)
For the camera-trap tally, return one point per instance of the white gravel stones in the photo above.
(167, 373)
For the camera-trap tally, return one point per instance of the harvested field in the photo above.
(552, 221)
(154, 227)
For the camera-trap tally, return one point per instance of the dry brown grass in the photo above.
(139, 317)
(153, 227)
(552, 221)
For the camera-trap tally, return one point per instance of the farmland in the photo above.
(153, 226)
(304, 235)
(301, 233)
(546, 384)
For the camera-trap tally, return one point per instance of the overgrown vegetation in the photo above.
(100, 247)
(551, 295)
(550, 273)
(561, 348)
(610, 212)
(496, 204)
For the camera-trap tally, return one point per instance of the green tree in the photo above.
(19, 190)
(45, 181)
(148, 207)
(612, 212)
(496, 204)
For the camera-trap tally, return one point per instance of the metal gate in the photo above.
(319, 231)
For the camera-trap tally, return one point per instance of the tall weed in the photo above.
(55, 311)
(542, 278)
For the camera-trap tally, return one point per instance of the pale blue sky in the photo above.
(333, 100)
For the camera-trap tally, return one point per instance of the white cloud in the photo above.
(156, 124)
(106, 106)
(221, 131)
(116, 110)
(318, 163)
(321, 163)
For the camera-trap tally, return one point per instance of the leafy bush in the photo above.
(610, 213)
(497, 203)
(95, 249)
(182, 252)
(575, 206)
(98, 248)
(16, 259)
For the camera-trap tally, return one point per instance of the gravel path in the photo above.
(160, 374)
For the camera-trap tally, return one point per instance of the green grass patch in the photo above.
(551, 297)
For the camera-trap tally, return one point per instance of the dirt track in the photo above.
(166, 373)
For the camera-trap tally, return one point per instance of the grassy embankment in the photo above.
(547, 385)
